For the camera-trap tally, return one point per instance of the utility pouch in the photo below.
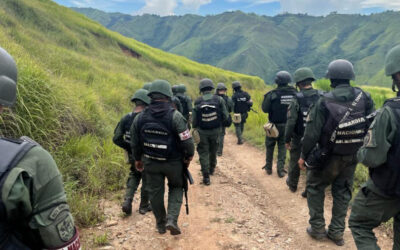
(237, 118)
(195, 136)
(317, 158)
(126, 157)
(271, 130)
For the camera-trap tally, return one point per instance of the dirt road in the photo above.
(242, 209)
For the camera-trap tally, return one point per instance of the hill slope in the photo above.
(75, 82)
(261, 45)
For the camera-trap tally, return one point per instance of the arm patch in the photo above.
(185, 135)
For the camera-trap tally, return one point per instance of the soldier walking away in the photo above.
(296, 122)
(276, 103)
(334, 132)
(122, 138)
(147, 86)
(186, 101)
(379, 198)
(175, 100)
(221, 91)
(208, 115)
(163, 147)
(34, 213)
(242, 104)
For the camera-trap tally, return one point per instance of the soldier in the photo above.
(334, 132)
(379, 198)
(242, 104)
(186, 101)
(176, 103)
(147, 86)
(221, 91)
(34, 213)
(276, 103)
(162, 144)
(208, 115)
(122, 138)
(296, 121)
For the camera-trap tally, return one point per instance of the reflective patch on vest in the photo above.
(286, 99)
(352, 122)
(56, 211)
(350, 141)
(158, 146)
(185, 135)
(210, 115)
(155, 158)
(128, 137)
(66, 229)
(351, 132)
(241, 99)
(156, 132)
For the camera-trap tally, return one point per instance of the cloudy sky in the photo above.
(265, 7)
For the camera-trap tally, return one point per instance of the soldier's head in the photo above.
(182, 88)
(8, 80)
(236, 86)
(392, 66)
(221, 88)
(304, 78)
(206, 85)
(160, 90)
(340, 72)
(141, 98)
(175, 89)
(283, 78)
(147, 86)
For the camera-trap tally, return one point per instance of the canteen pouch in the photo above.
(271, 130)
(237, 118)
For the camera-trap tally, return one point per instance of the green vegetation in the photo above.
(75, 82)
(263, 45)
(101, 240)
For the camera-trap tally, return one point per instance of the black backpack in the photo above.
(209, 113)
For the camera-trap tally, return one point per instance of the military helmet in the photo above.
(221, 86)
(341, 69)
(147, 86)
(303, 74)
(141, 95)
(206, 83)
(160, 87)
(392, 61)
(174, 89)
(283, 77)
(236, 84)
(8, 79)
(181, 88)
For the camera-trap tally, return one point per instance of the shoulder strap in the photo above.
(300, 95)
(11, 152)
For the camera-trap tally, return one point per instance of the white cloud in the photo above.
(388, 4)
(159, 7)
(82, 3)
(194, 5)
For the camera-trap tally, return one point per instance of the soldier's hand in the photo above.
(288, 146)
(139, 166)
(301, 163)
(188, 160)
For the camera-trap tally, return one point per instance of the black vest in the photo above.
(305, 103)
(157, 136)
(208, 113)
(126, 126)
(349, 121)
(387, 176)
(240, 100)
(11, 153)
(280, 104)
(184, 102)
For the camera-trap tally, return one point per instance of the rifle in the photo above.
(187, 177)
(251, 109)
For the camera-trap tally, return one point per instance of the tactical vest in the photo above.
(280, 104)
(226, 99)
(240, 100)
(387, 176)
(346, 123)
(157, 136)
(305, 103)
(184, 102)
(11, 153)
(208, 113)
(126, 126)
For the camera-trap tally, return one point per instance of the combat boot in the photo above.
(338, 241)
(161, 227)
(173, 228)
(206, 179)
(145, 209)
(127, 206)
(240, 141)
(291, 188)
(268, 170)
(304, 194)
(281, 173)
(212, 171)
(318, 235)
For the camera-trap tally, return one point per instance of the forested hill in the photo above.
(262, 45)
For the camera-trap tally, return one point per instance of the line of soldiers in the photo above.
(157, 140)
(327, 134)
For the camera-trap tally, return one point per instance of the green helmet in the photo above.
(392, 61)
(141, 95)
(236, 84)
(147, 86)
(161, 87)
(182, 88)
(221, 86)
(341, 69)
(175, 89)
(282, 78)
(206, 83)
(8, 79)
(303, 74)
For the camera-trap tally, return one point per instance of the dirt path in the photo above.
(242, 209)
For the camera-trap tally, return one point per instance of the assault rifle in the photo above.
(251, 109)
(187, 178)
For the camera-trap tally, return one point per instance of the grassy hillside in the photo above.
(75, 82)
(262, 45)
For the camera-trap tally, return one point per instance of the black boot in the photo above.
(127, 206)
(268, 170)
(304, 194)
(318, 235)
(281, 173)
(338, 241)
(173, 228)
(206, 179)
(161, 227)
(144, 209)
(291, 188)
